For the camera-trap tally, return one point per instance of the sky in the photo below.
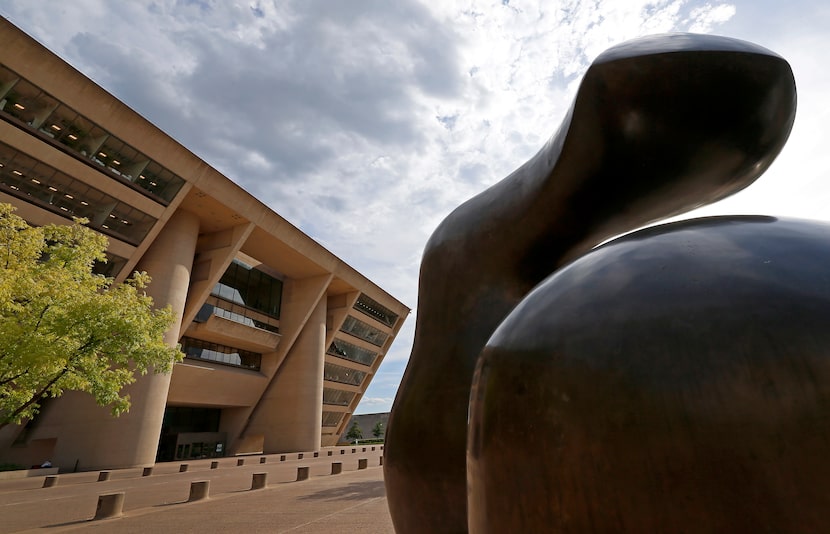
(365, 122)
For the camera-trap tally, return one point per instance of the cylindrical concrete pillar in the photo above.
(302, 473)
(258, 481)
(147, 471)
(362, 463)
(199, 490)
(88, 432)
(103, 476)
(336, 468)
(50, 481)
(109, 505)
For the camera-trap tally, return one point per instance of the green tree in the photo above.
(354, 432)
(377, 431)
(63, 328)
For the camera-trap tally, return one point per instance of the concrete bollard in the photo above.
(282, 457)
(109, 505)
(199, 490)
(103, 476)
(49, 481)
(258, 481)
(262, 460)
(330, 453)
(381, 460)
(316, 454)
(362, 463)
(183, 468)
(214, 465)
(336, 468)
(240, 461)
(147, 471)
(300, 456)
(302, 473)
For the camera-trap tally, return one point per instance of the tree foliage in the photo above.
(354, 432)
(377, 431)
(63, 328)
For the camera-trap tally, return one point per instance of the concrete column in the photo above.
(88, 434)
(290, 417)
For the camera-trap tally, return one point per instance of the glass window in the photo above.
(345, 350)
(373, 309)
(36, 182)
(337, 397)
(28, 104)
(364, 331)
(252, 288)
(343, 375)
(332, 418)
(202, 350)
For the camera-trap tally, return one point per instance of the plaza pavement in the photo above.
(352, 502)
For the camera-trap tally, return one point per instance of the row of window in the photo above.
(30, 180)
(364, 331)
(337, 397)
(343, 375)
(347, 351)
(203, 350)
(332, 418)
(79, 136)
(251, 288)
(375, 310)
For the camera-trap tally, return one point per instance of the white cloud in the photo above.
(365, 123)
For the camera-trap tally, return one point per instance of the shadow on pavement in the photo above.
(352, 492)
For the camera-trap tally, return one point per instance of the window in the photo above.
(251, 288)
(332, 418)
(364, 331)
(40, 184)
(202, 350)
(343, 375)
(347, 351)
(373, 309)
(79, 136)
(337, 397)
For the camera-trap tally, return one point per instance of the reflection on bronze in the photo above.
(659, 126)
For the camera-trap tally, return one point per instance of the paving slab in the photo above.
(353, 501)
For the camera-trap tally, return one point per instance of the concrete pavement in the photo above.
(351, 502)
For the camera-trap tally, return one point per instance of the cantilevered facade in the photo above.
(281, 337)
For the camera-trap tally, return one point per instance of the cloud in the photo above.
(366, 122)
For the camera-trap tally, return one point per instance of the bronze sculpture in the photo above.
(659, 126)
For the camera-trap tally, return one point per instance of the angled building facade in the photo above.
(281, 337)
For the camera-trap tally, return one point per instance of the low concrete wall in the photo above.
(25, 473)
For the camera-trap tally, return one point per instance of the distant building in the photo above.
(281, 336)
(366, 423)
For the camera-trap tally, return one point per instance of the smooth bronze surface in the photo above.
(659, 126)
(674, 380)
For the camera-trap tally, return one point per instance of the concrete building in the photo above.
(281, 337)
